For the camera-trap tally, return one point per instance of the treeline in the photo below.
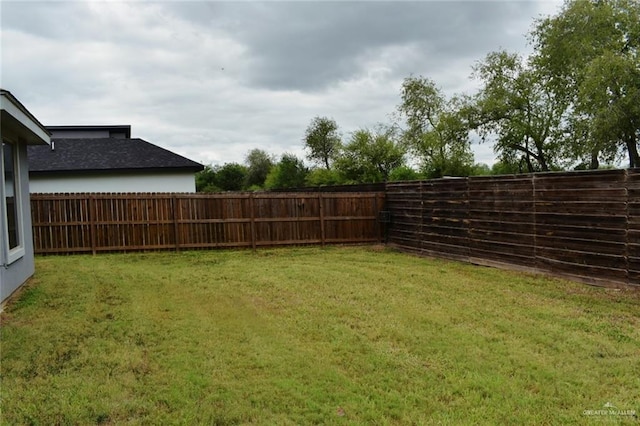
(574, 103)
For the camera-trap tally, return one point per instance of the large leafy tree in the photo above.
(231, 177)
(206, 179)
(435, 131)
(290, 172)
(322, 141)
(370, 156)
(515, 107)
(589, 53)
(259, 164)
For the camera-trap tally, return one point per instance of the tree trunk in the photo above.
(595, 163)
(632, 147)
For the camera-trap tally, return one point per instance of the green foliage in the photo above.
(206, 180)
(589, 53)
(370, 156)
(322, 141)
(290, 172)
(480, 169)
(514, 105)
(437, 134)
(323, 177)
(259, 164)
(506, 168)
(403, 173)
(229, 177)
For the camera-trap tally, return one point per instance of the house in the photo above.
(107, 159)
(18, 129)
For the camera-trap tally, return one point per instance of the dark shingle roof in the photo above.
(105, 154)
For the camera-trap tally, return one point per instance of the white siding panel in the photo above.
(149, 182)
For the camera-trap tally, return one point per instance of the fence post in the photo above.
(380, 225)
(534, 197)
(176, 233)
(626, 241)
(421, 232)
(252, 200)
(321, 206)
(92, 223)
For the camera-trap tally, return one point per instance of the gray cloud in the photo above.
(212, 80)
(310, 45)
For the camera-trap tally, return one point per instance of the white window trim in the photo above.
(17, 252)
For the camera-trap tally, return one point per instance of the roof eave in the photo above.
(17, 118)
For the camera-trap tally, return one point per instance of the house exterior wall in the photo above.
(13, 275)
(18, 128)
(126, 182)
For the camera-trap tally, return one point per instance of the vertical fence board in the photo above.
(74, 223)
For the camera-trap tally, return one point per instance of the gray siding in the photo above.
(14, 275)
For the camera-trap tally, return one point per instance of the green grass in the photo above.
(310, 335)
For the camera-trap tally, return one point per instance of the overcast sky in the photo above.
(212, 80)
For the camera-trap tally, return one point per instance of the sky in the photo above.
(213, 80)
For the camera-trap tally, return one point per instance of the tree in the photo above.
(231, 177)
(290, 172)
(259, 164)
(322, 177)
(515, 106)
(436, 132)
(370, 157)
(322, 141)
(206, 180)
(502, 168)
(403, 173)
(589, 54)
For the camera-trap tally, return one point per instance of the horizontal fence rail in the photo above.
(98, 222)
(581, 225)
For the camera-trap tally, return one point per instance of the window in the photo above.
(12, 205)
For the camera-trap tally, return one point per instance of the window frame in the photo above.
(17, 252)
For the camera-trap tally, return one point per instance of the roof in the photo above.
(105, 155)
(125, 129)
(18, 122)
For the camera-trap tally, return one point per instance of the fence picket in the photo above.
(130, 222)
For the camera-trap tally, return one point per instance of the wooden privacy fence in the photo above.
(76, 223)
(582, 225)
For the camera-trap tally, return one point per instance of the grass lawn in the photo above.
(339, 335)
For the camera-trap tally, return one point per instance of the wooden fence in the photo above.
(582, 225)
(76, 223)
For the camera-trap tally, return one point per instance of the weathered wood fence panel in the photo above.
(582, 225)
(76, 223)
(501, 220)
(633, 225)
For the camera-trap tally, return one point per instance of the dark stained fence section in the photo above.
(444, 218)
(581, 225)
(502, 220)
(633, 223)
(76, 223)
